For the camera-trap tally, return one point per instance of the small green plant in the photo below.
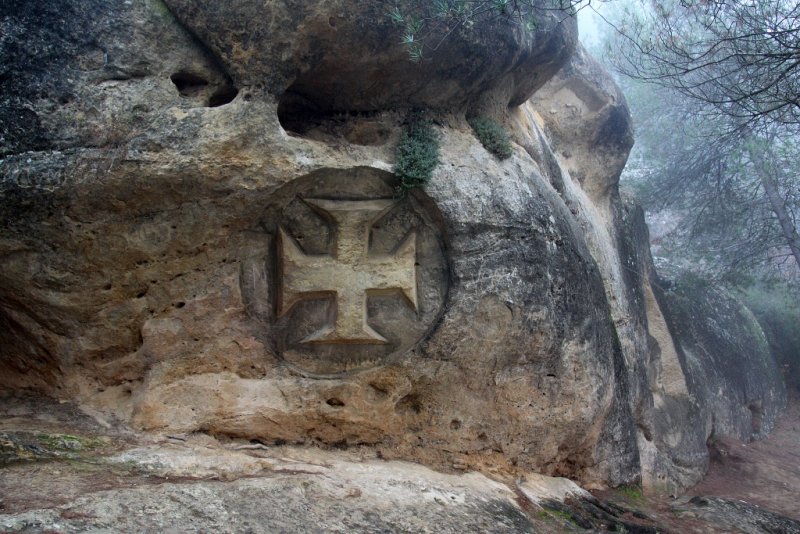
(557, 513)
(434, 21)
(492, 137)
(67, 443)
(417, 155)
(633, 494)
(162, 9)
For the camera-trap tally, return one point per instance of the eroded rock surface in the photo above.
(589, 123)
(193, 241)
(345, 56)
(196, 488)
(195, 483)
(728, 362)
(738, 515)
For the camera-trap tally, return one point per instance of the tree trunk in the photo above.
(788, 228)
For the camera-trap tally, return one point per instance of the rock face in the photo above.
(102, 477)
(682, 375)
(728, 363)
(193, 242)
(218, 490)
(738, 515)
(589, 124)
(334, 55)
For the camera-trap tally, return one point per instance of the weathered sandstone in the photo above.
(195, 237)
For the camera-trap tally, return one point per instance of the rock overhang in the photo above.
(347, 56)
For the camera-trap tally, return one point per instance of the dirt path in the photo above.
(766, 473)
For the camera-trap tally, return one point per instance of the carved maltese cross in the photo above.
(350, 275)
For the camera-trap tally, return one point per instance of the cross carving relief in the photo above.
(350, 275)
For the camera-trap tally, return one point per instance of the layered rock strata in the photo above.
(200, 233)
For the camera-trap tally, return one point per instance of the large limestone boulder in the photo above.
(193, 242)
(177, 259)
(588, 121)
(727, 360)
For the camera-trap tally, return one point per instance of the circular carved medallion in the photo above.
(353, 276)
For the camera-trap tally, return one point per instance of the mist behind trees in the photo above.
(713, 90)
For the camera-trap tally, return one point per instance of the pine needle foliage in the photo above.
(492, 136)
(432, 22)
(417, 155)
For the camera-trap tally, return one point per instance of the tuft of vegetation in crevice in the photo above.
(492, 136)
(432, 22)
(417, 154)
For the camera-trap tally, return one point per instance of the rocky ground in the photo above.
(65, 470)
(766, 473)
